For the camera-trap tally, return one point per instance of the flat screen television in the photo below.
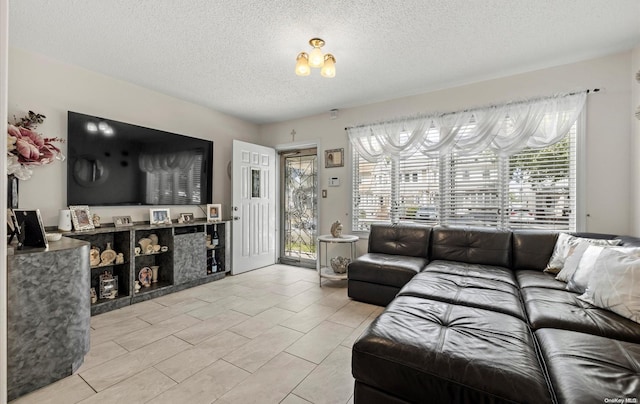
(116, 163)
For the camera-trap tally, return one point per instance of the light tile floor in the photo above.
(266, 336)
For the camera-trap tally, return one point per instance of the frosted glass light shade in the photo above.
(316, 58)
(302, 65)
(329, 68)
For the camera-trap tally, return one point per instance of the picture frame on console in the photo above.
(186, 218)
(122, 221)
(214, 212)
(159, 216)
(81, 217)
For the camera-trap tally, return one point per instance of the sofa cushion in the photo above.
(474, 246)
(489, 272)
(385, 269)
(423, 350)
(466, 290)
(548, 308)
(532, 249)
(411, 240)
(537, 279)
(590, 369)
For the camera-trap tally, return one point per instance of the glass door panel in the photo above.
(299, 207)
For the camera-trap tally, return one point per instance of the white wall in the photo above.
(608, 132)
(52, 88)
(635, 137)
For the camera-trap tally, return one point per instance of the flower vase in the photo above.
(12, 191)
(154, 271)
(137, 287)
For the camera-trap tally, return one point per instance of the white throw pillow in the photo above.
(579, 280)
(560, 253)
(614, 283)
(572, 261)
(565, 246)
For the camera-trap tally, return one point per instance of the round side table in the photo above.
(324, 268)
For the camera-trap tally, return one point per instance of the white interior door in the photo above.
(253, 207)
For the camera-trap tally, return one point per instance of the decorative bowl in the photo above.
(54, 236)
(339, 264)
(108, 257)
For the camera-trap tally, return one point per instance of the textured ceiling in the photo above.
(238, 56)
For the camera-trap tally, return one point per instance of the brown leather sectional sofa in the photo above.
(472, 318)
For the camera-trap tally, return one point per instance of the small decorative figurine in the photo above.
(336, 229)
(94, 256)
(120, 258)
(96, 220)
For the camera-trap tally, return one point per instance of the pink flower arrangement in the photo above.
(26, 148)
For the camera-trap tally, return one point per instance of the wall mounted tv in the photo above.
(116, 163)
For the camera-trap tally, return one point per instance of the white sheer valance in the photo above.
(507, 129)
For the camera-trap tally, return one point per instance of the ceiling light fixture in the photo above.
(326, 63)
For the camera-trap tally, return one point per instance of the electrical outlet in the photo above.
(324, 193)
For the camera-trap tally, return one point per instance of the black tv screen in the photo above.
(116, 163)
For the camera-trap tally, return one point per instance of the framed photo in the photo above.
(159, 216)
(30, 222)
(214, 212)
(81, 217)
(122, 221)
(186, 218)
(334, 158)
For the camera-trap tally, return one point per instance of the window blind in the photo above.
(472, 195)
(418, 189)
(542, 186)
(371, 192)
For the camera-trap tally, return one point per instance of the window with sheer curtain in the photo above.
(534, 188)
(510, 166)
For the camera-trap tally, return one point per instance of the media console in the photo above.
(184, 261)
